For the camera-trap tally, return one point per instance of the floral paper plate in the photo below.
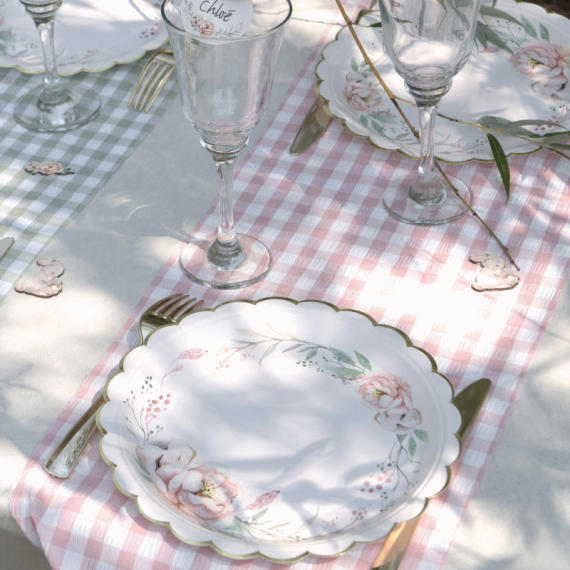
(279, 429)
(519, 70)
(90, 35)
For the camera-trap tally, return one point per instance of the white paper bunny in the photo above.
(493, 275)
(47, 282)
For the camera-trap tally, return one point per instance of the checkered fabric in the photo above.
(321, 216)
(33, 208)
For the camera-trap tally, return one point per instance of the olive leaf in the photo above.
(496, 13)
(490, 36)
(501, 161)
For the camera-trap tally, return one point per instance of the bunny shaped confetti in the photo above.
(493, 275)
(47, 282)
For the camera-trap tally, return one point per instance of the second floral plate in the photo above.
(279, 429)
(519, 70)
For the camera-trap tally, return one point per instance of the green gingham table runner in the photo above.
(33, 208)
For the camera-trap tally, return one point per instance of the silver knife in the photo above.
(468, 402)
(5, 245)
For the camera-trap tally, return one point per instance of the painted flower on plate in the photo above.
(363, 91)
(197, 490)
(392, 396)
(547, 64)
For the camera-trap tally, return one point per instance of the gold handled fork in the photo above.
(64, 457)
(152, 79)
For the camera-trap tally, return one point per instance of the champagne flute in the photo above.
(428, 42)
(225, 84)
(53, 107)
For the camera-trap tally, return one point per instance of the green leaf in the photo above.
(363, 361)
(237, 525)
(502, 163)
(412, 446)
(353, 64)
(258, 515)
(480, 36)
(283, 334)
(402, 437)
(307, 523)
(312, 354)
(342, 356)
(495, 13)
(492, 37)
(544, 33)
(421, 20)
(378, 128)
(421, 435)
(293, 347)
(388, 119)
(342, 371)
(363, 120)
(529, 28)
(500, 124)
(268, 352)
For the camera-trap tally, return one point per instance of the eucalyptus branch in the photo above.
(394, 101)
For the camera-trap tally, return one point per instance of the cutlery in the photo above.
(312, 129)
(468, 402)
(152, 79)
(316, 122)
(5, 245)
(166, 312)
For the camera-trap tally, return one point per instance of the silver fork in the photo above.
(64, 457)
(152, 79)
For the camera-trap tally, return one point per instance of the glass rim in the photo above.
(211, 40)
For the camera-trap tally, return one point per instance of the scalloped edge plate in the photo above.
(279, 429)
(490, 84)
(89, 35)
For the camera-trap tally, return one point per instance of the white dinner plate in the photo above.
(279, 429)
(89, 35)
(523, 83)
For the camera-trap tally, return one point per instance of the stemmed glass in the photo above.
(428, 42)
(225, 84)
(53, 107)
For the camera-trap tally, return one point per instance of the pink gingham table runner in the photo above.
(321, 215)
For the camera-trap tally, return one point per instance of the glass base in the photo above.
(81, 106)
(399, 205)
(195, 262)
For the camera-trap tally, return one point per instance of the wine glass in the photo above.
(428, 42)
(53, 107)
(225, 84)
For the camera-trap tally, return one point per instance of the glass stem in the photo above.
(44, 15)
(226, 253)
(52, 85)
(427, 188)
(226, 231)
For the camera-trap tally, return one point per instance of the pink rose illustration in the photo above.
(547, 64)
(363, 92)
(392, 396)
(47, 168)
(204, 27)
(197, 490)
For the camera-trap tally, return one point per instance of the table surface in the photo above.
(113, 249)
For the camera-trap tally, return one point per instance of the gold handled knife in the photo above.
(317, 121)
(312, 128)
(468, 402)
